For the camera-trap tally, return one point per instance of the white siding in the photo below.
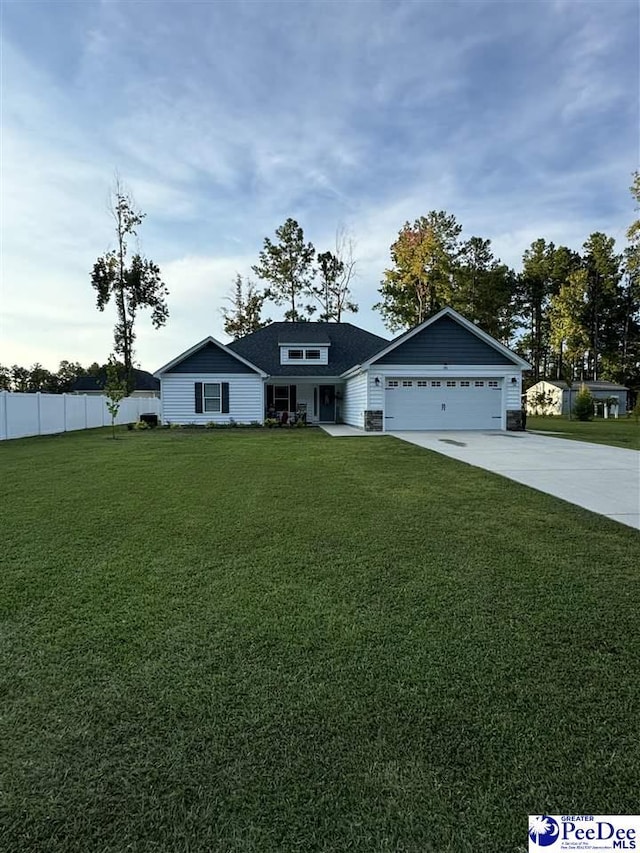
(324, 355)
(355, 400)
(246, 398)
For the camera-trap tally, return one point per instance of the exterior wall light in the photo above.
(377, 380)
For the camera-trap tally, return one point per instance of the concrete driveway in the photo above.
(602, 479)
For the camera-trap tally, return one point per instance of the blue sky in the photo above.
(225, 118)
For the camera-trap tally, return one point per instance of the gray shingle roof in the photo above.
(349, 346)
(600, 385)
(143, 381)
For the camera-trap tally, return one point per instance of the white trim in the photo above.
(307, 345)
(206, 411)
(446, 312)
(209, 340)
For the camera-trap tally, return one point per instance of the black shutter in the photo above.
(269, 397)
(292, 397)
(198, 398)
(225, 398)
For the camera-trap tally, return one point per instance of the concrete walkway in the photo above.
(344, 431)
(597, 477)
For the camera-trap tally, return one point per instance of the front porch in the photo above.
(313, 401)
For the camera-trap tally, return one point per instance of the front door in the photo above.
(327, 408)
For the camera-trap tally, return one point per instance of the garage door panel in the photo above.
(443, 404)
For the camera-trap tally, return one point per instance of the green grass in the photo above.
(623, 432)
(253, 642)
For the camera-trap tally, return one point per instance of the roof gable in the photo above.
(447, 338)
(208, 356)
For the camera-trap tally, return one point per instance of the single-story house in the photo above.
(145, 384)
(444, 374)
(555, 397)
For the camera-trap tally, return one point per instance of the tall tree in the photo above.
(629, 323)
(420, 281)
(5, 378)
(569, 334)
(536, 287)
(603, 269)
(244, 316)
(287, 267)
(19, 378)
(134, 284)
(484, 289)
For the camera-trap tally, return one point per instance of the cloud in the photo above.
(224, 119)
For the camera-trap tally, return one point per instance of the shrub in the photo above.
(142, 425)
(175, 426)
(210, 425)
(271, 422)
(583, 408)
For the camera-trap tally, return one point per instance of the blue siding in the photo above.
(444, 342)
(211, 359)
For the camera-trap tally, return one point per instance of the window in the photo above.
(422, 383)
(479, 383)
(392, 383)
(212, 397)
(492, 383)
(281, 398)
(464, 383)
(436, 383)
(312, 354)
(295, 354)
(451, 383)
(407, 383)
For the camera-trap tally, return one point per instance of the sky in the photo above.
(223, 119)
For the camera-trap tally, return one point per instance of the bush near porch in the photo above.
(272, 641)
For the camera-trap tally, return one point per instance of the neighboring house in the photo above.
(145, 384)
(444, 374)
(554, 397)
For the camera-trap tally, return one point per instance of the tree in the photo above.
(421, 280)
(535, 291)
(335, 271)
(244, 317)
(484, 289)
(569, 335)
(287, 267)
(603, 269)
(583, 408)
(629, 319)
(115, 390)
(5, 378)
(68, 373)
(19, 378)
(133, 284)
(40, 379)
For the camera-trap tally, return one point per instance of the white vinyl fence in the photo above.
(43, 414)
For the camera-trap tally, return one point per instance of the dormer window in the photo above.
(301, 353)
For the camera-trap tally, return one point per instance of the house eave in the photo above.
(467, 324)
(208, 340)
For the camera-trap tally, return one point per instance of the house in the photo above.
(555, 397)
(444, 374)
(145, 384)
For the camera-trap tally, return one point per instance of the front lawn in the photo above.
(623, 432)
(253, 642)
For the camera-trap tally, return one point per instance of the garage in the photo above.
(443, 403)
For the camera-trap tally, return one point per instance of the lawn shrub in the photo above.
(583, 408)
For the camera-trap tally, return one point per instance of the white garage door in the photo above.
(443, 404)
